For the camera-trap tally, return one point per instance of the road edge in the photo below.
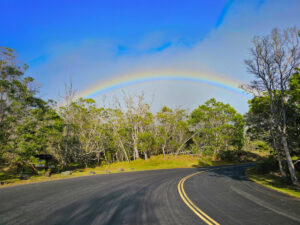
(247, 173)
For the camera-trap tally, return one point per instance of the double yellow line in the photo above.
(203, 216)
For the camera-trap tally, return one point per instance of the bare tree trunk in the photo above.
(85, 162)
(146, 155)
(163, 149)
(135, 149)
(123, 148)
(282, 172)
(289, 159)
(282, 131)
(182, 145)
(285, 144)
(68, 98)
(98, 158)
(105, 155)
(275, 147)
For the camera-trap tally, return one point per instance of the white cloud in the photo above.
(221, 52)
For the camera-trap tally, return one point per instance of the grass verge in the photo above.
(273, 181)
(154, 163)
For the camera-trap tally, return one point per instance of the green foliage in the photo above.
(294, 89)
(262, 146)
(258, 119)
(218, 127)
(207, 152)
(228, 156)
(146, 141)
(27, 123)
(267, 165)
(173, 129)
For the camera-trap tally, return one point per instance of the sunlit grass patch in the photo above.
(154, 163)
(207, 161)
(273, 181)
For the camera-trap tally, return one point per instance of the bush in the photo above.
(227, 155)
(262, 146)
(267, 165)
(207, 152)
(202, 163)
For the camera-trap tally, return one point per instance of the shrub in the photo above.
(262, 146)
(267, 165)
(227, 155)
(207, 152)
(202, 163)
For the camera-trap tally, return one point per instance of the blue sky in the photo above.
(93, 40)
(37, 25)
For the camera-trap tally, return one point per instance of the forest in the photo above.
(81, 132)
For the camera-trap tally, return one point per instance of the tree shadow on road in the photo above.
(117, 207)
(233, 172)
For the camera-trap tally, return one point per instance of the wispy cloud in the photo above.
(222, 52)
(223, 13)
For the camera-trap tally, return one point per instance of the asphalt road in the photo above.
(148, 197)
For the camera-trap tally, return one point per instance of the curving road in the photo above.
(223, 196)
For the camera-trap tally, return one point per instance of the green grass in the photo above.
(207, 161)
(154, 163)
(273, 181)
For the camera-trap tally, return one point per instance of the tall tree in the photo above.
(166, 126)
(218, 126)
(139, 119)
(13, 91)
(273, 61)
(27, 123)
(293, 113)
(259, 126)
(39, 132)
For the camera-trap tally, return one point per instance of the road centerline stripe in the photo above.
(195, 207)
(203, 216)
(188, 204)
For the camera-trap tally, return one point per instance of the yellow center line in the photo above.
(198, 214)
(203, 216)
(190, 201)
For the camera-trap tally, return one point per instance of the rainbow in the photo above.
(137, 77)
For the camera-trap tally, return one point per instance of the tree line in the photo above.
(81, 132)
